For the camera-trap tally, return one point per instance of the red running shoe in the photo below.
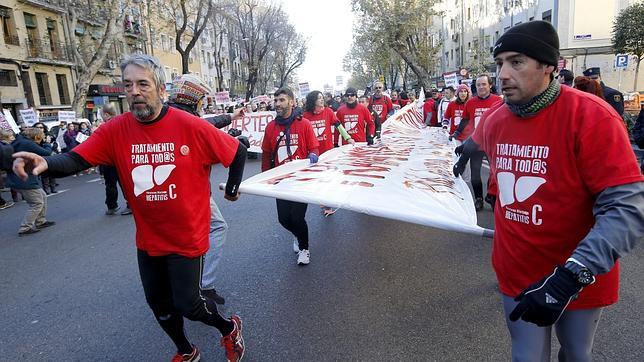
(234, 342)
(194, 356)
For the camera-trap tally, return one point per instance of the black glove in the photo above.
(490, 199)
(234, 132)
(369, 140)
(543, 303)
(459, 167)
(459, 150)
(244, 141)
(454, 135)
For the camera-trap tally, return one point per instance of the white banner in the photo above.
(252, 126)
(7, 121)
(407, 176)
(29, 116)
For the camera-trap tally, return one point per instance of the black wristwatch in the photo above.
(583, 276)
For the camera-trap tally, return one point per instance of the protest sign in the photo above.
(222, 97)
(29, 116)
(7, 121)
(67, 116)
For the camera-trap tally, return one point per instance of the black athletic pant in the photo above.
(476, 161)
(172, 286)
(291, 215)
(111, 192)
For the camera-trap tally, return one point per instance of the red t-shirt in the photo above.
(302, 142)
(322, 124)
(474, 109)
(548, 169)
(454, 113)
(428, 107)
(356, 122)
(382, 106)
(164, 169)
(397, 104)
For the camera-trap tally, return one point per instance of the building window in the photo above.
(8, 78)
(42, 82)
(547, 16)
(63, 90)
(32, 27)
(54, 45)
(8, 26)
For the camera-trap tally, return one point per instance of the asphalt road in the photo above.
(376, 289)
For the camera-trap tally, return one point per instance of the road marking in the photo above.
(94, 180)
(59, 192)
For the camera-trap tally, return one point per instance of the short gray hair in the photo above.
(109, 109)
(146, 62)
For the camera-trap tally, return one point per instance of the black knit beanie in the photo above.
(537, 39)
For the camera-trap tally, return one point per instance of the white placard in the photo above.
(7, 121)
(67, 116)
(29, 116)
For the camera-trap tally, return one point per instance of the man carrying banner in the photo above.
(290, 137)
(163, 157)
(570, 198)
(474, 109)
(380, 102)
(356, 119)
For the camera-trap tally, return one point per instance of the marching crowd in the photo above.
(558, 266)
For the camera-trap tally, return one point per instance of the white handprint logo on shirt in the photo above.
(146, 176)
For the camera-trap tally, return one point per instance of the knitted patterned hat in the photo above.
(188, 89)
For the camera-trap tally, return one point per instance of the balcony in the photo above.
(54, 5)
(11, 40)
(41, 49)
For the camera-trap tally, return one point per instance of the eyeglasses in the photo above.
(378, 87)
(41, 127)
(350, 94)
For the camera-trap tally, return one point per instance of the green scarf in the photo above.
(536, 104)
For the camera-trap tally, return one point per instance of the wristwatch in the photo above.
(583, 276)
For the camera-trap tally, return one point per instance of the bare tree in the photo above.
(189, 19)
(257, 25)
(290, 55)
(90, 55)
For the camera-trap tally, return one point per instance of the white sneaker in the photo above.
(303, 258)
(296, 246)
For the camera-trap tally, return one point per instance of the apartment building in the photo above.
(468, 30)
(35, 60)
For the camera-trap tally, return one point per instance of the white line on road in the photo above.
(94, 180)
(59, 192)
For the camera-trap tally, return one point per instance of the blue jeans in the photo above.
(575, 331)
(217, 237)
